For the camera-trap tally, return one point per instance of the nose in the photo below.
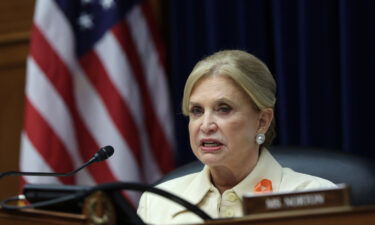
(208, 124)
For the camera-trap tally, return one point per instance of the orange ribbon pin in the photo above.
(263, 186)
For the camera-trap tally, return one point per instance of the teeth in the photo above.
(210, 144)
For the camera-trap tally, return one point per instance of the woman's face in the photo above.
(222, 123)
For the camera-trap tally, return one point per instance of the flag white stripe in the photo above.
(116, 64)
(49, 104)
(92, 111)
(104, 130)
(154, 73)
(89, 104)
(56, 30)
(31, 160)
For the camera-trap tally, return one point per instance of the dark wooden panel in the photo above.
(39, 217)
(16, 16)
(13, 54)
(349, 216)
(12, 81)
(15, 25)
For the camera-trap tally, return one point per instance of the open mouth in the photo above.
(211, 144)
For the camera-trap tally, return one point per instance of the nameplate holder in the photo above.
(275, 202)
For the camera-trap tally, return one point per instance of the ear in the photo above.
(265, 119)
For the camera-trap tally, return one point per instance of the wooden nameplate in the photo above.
(302, 200)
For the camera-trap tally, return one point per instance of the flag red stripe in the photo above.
(160, 145)
(53, 67)
(115, 105)
(60, 77)
(154, 31)
(47, 142)
(72, 79)
(22, 183)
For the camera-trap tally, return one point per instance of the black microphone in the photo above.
(103, 154)
(127, 209)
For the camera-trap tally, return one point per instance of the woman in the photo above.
(229, 98)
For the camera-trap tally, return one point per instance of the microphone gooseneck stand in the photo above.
(101, 155)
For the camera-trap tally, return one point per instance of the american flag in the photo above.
(96, 77)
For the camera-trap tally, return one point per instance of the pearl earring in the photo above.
(260, 138)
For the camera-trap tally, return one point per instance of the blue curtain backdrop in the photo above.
(321, 52)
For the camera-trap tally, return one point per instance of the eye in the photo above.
(196, 110)
(224, 108)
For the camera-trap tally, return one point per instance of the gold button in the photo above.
(232, 197)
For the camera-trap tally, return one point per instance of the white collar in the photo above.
(266, 168)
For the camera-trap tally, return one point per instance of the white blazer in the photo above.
(198, 189)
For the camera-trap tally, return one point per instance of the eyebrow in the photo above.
(193, 103)
(223, 99)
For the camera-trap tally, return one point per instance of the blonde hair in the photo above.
(246, 70)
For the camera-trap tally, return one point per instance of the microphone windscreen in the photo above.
(104, 153)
